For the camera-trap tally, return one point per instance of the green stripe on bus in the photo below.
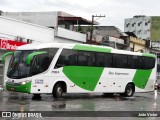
(30, 56)
(92, 48)
(6, 54)
(84, 77)
(149, 55)
(141, 78)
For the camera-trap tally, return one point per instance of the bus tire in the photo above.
(129, 91)
(57, 91)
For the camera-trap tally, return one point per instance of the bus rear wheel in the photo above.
(129, 91)
(57, 91)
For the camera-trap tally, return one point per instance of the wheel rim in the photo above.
(129, 91)
(59, 91)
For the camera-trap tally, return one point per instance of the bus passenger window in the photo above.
(60, 62)
(45, 63)
(100, 59)
(108, 60)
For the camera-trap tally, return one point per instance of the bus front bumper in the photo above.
(24, 88)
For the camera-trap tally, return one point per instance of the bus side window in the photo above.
(144, 63)
(100, 59)
(117, 61)
(148, 63)
(72, 59)
(82, 60)
(124, 61)
(60, 62)
(138, 63)
(130, 62)
(91, 59)
(45, 63)
(108, 60)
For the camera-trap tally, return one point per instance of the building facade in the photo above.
(66, 26)
(108, 35)
(137, 45)
(144, 27)
(148, 29)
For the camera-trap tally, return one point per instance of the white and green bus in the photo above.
(59, 68)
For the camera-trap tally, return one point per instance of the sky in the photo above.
(115, 11)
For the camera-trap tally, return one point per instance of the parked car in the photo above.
(157, 84)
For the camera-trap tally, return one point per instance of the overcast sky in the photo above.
(114, 10)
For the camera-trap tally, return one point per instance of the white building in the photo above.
(144, 27)
(139, 25)
(64, 24)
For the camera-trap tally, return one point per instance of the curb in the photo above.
(1, 88)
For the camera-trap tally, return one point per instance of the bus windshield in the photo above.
(19, 69)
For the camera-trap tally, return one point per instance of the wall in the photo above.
(48, 19)
(139, 26)
(62, 40)
(137, 44)
(70, 35)
(26, 30)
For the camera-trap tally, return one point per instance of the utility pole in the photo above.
(93, 16)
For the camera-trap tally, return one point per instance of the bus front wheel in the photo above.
(57, 91)
(129, 91)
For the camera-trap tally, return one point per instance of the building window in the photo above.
(145, 32)
(139, 24)
(133, 24)
(134, 31)
(139, 32)
(146, 23)
(127, 24)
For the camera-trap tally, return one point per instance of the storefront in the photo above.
(6, 45)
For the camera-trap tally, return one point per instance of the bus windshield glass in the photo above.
(17, 67)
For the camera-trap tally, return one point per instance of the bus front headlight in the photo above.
(24, 82)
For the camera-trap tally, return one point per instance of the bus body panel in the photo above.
(89, 79)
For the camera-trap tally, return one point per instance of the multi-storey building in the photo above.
(147, 28)
(65, 25)
(144, 27)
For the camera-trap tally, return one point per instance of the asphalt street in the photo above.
(12, 101)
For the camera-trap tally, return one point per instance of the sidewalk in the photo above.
(2, 87)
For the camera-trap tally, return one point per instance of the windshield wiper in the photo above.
(10, 74)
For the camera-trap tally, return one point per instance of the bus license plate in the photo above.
(12, 89)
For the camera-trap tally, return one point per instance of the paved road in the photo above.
(11, 101)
